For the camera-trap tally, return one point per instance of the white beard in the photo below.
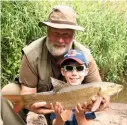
(55, 51)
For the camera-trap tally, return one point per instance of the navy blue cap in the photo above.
(76, 55)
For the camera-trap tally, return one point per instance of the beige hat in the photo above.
(62, 17)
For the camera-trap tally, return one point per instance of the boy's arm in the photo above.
(58, 121)
(61, 115)
(81, 120)
(58, 111)
(79, 115)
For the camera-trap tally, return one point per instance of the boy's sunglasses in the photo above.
(72, 68)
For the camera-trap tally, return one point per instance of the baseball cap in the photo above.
(76, 55)
(62, 17)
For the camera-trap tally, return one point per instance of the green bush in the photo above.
(105, 33)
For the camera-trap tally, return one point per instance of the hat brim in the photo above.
(61, 26)
(75, 59)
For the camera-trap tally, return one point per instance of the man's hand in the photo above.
(40, 108)
(99, 103)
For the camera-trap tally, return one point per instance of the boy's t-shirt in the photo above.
(72, 119)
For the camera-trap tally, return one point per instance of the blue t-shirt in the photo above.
(72, 119)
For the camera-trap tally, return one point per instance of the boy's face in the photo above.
(72, 76)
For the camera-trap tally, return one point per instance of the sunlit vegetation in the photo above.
(105, 33)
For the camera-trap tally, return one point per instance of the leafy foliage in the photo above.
(105, 33)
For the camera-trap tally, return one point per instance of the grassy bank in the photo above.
(105, 33)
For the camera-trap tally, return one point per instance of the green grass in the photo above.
(105, 33)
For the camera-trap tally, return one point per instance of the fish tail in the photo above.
(17, 102)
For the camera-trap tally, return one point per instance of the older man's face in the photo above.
(59, 41)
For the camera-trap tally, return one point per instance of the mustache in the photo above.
(56, 44)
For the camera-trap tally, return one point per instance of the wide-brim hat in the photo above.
(62, 17)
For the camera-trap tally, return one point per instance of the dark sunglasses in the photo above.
(72, 68)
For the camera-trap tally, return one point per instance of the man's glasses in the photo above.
(72, 68)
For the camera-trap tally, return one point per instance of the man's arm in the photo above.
(29, 80)
(93, 72)
(27, 76)
(39, 107)
(27, 90)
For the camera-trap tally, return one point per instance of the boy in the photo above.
(74, 68)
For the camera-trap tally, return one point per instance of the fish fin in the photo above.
(96, 104)
(58, 84)
(16, 101)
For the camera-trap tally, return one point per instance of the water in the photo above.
(121, 97)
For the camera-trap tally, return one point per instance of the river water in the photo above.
(121, 97)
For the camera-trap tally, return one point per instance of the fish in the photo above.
(68, 95)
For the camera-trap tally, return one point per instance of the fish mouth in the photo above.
(112, 90)
(120, 88)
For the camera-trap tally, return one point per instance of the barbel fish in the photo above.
(67, 94)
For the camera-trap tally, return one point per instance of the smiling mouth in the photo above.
(74, 79)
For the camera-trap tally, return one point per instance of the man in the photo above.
(39, 61)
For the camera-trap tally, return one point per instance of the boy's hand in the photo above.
(80, 109)
(60, 112)
(79, 114)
